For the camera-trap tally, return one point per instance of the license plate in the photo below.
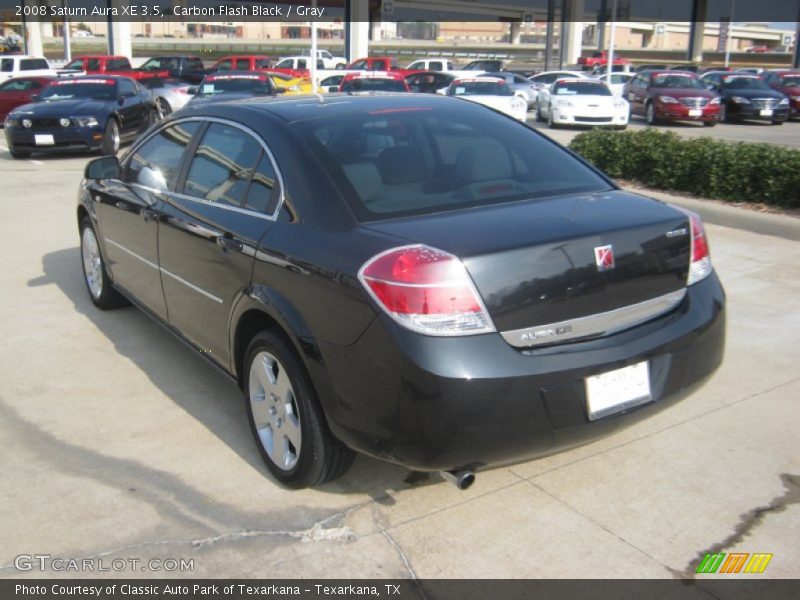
(44, 140)
(766, 112)
(695, 112)
(617, 390)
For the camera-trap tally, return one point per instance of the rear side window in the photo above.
(224, 65)
(156, 163)
(223, 165)
(195, 64)
(7, 65)
(93, 64)
(32, 64)
(263, 63)
(262, 196)
(427, 159)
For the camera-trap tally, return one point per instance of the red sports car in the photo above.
(19, 91)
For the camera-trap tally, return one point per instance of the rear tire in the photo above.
(285, 416)
(98, 283)
(778, 122)
(539, 117)
(111, 139)
(709, 123)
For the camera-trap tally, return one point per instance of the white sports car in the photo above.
(491, 92)
(582, 102)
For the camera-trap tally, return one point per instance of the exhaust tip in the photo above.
(461, 479)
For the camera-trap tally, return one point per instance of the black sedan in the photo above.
(746, 96)
(413, 277)
(87, 113)
(232, 85)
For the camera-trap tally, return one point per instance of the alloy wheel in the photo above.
(92, 263)
(275, 413)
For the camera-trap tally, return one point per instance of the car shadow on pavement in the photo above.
(198, 388)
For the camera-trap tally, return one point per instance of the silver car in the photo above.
(170, 94)
(518, 84)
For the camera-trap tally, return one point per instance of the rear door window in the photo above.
(223, 165)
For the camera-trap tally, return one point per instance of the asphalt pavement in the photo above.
(120, 443)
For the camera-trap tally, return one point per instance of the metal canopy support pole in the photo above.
(314, 47)
(67, 45)
(612, 40)
(696, 30)
(548, 49)
(796, 59)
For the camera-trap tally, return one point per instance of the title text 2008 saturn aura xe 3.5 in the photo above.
(420, 279)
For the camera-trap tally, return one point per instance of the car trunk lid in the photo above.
(547, 268)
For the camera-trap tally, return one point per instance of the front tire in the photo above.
(778, 122)
(98, 283)
(709, 123)
(650, 114)
(111, 139)
(286, 419)
(163, 108)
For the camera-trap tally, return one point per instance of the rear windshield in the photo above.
(581, 88)
(373, 85)
(409, 161)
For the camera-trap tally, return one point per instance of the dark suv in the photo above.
(671, 96)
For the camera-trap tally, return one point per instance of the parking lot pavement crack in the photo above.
(598, 524)
(318, 532)
(750, 520)
(668, 427)
(400, 552)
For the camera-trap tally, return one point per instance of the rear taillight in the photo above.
(426, 290)
(700, 261)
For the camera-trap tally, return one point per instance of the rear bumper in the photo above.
(446, 403)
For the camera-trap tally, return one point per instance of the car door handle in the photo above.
(230, 243)
(149, 215)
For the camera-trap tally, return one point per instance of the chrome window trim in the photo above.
(604, 323)
(234, 124)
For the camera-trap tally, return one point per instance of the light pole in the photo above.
(730, 35)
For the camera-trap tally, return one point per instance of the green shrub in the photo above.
(740, 172)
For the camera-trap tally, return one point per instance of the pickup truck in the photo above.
(380, 63)
(185, 68)
(587, 63)
(438, 64)
(297, 66)
(102, 64)
(18, 66)
(329, 61)
(242, 62)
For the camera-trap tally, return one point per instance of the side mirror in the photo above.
(105, 167)
(280, 90)
(34, 97)
(192, 91)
